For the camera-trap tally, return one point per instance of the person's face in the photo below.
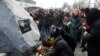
(66, 18)
(83, 21)
(76, 13)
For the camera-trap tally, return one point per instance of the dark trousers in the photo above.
(84, 41)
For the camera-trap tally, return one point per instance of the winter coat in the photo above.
(61, 48)
(94, 40)
(74, 28)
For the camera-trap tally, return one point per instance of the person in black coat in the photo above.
(93, 19)
(61, 47)
(42, 20)
(71, 42)
(66, 30)
(48, 23)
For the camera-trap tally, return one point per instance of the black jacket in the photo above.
(71, 42)
(61, 48)
(94, 40)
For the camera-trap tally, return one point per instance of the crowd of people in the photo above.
(46, 18)
(70, 28)
(50, 19)
(58, 32)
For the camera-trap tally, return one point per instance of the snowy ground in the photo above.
(78, 52)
